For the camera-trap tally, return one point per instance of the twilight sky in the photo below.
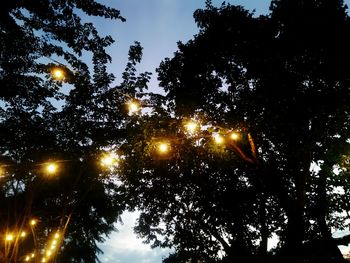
(158, 25)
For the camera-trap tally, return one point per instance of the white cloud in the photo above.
(124, 247)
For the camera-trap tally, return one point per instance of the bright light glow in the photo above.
(9, 237)
(32, 255)
(163, 147)
(2, 172)
(23, 234)
(191, 126)
(234, 136)
(54, 242)
(51, 168)
(43, 260)
(133, 107)
(57, 235)
(57, 74)
(33, 222)
(48, 253)
(27, 258)
(110, 160)
(218, 139)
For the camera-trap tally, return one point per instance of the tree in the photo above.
(57, 118)
(282, 81)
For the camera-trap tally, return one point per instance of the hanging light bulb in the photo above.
(163, 148)
(58, 74)
(109, 160)
(51, 168)
(235, 136)
(133, 107)
(191, 126)
(33, 222)
(9, 237)
(218, 139)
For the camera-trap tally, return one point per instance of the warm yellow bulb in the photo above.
(43, 260)
(109, 160)
(48, 253)
(9, 237)
(27, 258)
(58, 74)
(234, 136)
(163, 147)
(133, 107)
(23, 234)
(191, 126)
(218, 139)
(57, 235)
(32, 255)
(33, 222)
(51, 168)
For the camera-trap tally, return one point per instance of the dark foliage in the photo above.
(284, 80)
(67, 121)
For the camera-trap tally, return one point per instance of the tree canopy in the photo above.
(280, 80)
(250, 141)
(58, 115)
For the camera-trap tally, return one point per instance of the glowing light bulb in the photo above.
(32, 255)
(163, 147)
(110, 160)
(43, 260)
(57, 74)
(9, 237)
(191, 127)
(234, 136)
(33, 222)
(27, 258)
(133, 107)
(23, 234)
(51, 168)
(218, 139)
(57, 235)
(48, 253)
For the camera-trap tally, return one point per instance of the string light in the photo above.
(133, 107)
(58, 73)
(110, 160)
(57, 235)
(33, 222)
(23, 234)
(191, 126)
(51, 168)
(163, 148)
(27, 258)
(9, 237)
(218, 139)
(235, 136)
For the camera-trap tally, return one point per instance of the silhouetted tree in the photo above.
(282, 79)
(68, 121)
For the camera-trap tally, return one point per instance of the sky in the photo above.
(158, 25)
